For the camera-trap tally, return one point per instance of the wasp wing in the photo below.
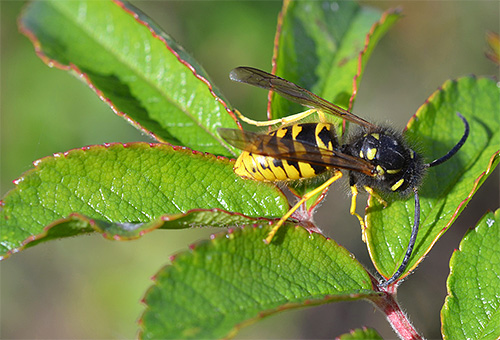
(292, 150)
(293, 92)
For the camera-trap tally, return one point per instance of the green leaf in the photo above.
(447, 188)
(472, 307)
(133, 66)
(324, 47)
(364, 333)
(124, 190)
(212, 290)
(319, 45)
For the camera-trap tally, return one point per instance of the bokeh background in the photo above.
(89, 287)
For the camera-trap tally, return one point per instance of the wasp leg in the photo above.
(354, 191)
(283, 121)
(377, 196)
(306, 197)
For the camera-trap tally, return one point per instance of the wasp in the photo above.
(376, 158)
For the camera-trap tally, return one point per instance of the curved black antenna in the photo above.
(411, 244)
(416, 222)
(457, 147)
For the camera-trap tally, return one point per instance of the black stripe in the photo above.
(266, 165)
(308, 134)
(279, 164)
(317, 168)
(295, 165)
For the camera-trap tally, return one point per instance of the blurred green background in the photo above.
(89, 287)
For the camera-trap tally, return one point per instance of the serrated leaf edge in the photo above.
(203, 79)
(152, 225)
(453, 259)
(364, 294)
(82, 75)
(477, 183)
(385, 15)
(91, 221)
(37, 163)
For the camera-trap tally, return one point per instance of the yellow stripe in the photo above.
(240, 168)
(280, 133)
(291, 171)
(306, 170)
(296, 129)
(371, 154)
(248, 168)
(279, 173)
(295, 132)
(262, 165)
(397, 184)
(317, 131)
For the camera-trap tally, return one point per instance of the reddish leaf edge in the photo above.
(82, 75)
(385, 15)
(492, 164)
(307, 303)
(494, 160)
(98, 225)
(307, 218)
(370, 295)
(276, 41)
(354, 333)
(167, 146)
(157, 33)
(477, 183)
(450, 293)
(436, 93)
(103, 227)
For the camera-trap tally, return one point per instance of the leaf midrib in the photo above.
(141, 75)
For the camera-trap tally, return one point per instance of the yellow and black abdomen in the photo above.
(269, 168)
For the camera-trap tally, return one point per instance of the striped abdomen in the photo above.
(266, 168)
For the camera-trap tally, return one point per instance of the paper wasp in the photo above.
(376, 158)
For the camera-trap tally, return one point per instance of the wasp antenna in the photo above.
(457, 147)
(411, 244)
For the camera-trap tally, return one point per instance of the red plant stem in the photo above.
(399, 321)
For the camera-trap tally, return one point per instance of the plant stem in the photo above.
(387, 303)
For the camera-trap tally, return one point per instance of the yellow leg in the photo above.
(354, 191)
(284, 120)
(307, 196)
(377, 196)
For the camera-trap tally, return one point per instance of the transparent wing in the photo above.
(291, 150)
(293, 92)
